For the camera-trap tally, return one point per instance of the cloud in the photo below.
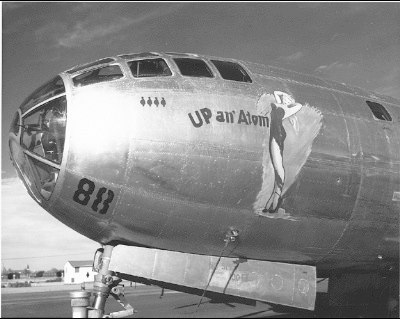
(28, 230)
(354, 8)
(347, 9)
(90, 29)
(292, 58)
(392, 91)
(9, 6)
(335, 36)
(16, 25)
(3, 173)
(309, 5)
(84, 34)
(378, 78)
(348, 73)
(389, 84)
(334, 67)
(84, 6)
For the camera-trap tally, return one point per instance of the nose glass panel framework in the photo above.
(44, 130)
(40, 132)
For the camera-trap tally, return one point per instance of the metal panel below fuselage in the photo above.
(280, 283)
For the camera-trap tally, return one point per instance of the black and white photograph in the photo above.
(200, 159)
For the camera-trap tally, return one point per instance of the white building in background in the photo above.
(78, 271)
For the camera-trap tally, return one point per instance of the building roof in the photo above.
(80, 263)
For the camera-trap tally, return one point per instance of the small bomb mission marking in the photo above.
(205, 115)
(150, 102)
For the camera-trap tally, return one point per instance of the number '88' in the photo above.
(86, 188)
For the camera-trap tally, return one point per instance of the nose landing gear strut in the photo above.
(105, 283)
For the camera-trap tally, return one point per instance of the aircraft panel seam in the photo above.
(323, 87)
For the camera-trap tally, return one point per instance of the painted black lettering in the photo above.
(220, 117)
(99, 198)
(199, 123)
(86, 188)
(107, 202)
(82, 191)
(229, 117)
(264, 121)
(248, 117)
(206, 112)
(254, 119)
(242, 118)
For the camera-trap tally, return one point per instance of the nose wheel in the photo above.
(105, 283)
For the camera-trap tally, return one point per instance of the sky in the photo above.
(350, 42)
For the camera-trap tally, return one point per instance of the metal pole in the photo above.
(80, 300)
(102, 284)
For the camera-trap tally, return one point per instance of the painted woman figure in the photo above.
(283, 107)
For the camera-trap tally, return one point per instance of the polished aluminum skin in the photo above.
(173, 162)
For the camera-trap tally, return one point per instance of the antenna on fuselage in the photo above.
(230, 237)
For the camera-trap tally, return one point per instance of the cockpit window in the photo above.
(137, 55)
(231, 71)
(149, 67)
(177, 53)
(44, 176)
(193, 67)
(15, 124)
(88, 65)
(107, 73)
(52, 88)
(379, 111)
(43, 131)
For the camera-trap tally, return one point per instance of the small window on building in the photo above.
(193, 67)
(76, 269)
(379, 111)
(107, 73)
(231, 71)
(149, 67)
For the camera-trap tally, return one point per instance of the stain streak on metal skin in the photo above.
(349, 149)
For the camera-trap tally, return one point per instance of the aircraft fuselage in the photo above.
(173, 162)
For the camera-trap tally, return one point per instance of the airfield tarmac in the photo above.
(145, 299)
(54, 302)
